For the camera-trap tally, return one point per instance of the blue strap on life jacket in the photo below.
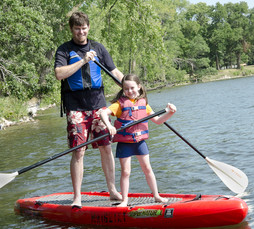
(133, 109)
(124, 133)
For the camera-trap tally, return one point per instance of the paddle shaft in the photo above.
(165, 123)
(87, 143)
(180, 136)
(107, 71)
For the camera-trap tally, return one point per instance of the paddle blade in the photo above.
(232, 177)
(6, 178)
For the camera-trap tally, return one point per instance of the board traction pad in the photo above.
(101, 201)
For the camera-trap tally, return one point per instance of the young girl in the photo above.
(131, 104)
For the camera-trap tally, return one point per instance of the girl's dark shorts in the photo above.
(129, 149)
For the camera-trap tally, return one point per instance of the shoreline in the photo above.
(31, 113)
(34, 105)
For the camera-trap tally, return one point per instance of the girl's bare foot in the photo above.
(123, 204)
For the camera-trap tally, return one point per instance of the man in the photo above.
(83, 98)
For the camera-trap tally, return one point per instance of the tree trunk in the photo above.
(217, 62)
(238, 60)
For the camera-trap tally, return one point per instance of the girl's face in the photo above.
(131, 89)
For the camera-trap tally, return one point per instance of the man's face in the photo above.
(80, 33)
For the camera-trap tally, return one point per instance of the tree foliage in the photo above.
(161, 41)
(26, 38)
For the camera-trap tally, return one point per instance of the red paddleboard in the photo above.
(181, 210)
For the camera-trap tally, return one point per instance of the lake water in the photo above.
(216, 117)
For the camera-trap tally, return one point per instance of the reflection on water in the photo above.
(217, 118)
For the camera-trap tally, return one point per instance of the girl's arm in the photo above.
(159, 120)
(105, 118)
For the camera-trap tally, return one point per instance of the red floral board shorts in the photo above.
(80, 124)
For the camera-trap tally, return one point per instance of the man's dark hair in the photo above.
(78, 19)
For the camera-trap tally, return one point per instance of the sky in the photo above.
(213, 2)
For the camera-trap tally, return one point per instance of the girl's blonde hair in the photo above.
(132, 77)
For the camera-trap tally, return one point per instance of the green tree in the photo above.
(194, 46)
(170, 14)
(26, 37)
(132, 32)
(217, 34)
(251, 37)
(160, 41)
(237, 18)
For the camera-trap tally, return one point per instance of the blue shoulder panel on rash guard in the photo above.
(75, 81)
(95, 72)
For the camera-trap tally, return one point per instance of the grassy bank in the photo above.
(12, 109)
(15, 111)
(230, 74)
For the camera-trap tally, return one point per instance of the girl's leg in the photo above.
(124, 181)
(144, 162)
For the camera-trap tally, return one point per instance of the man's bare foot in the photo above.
(115, 196)
(161, 199)
(76, 201)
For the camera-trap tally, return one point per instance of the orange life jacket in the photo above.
(131, 112)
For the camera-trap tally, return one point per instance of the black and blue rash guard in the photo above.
(84, 89)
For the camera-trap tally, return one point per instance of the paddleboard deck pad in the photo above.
(181, 210)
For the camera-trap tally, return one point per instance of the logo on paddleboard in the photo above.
(144, 213)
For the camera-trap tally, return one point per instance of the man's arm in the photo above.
(118, 75)
(64, 72)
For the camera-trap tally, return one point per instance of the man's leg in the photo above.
(78, 127)
(76, 167)
(108, 166)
